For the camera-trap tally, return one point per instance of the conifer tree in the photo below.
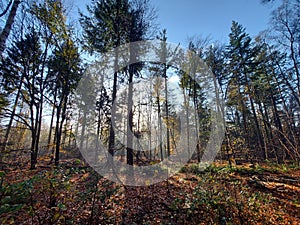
(240, 55)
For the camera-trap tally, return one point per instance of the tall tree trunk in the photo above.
(6, 137)
(269, 132)
(129, 135)
(33, 153)
(258, 131)
(159, 121)
(8, 25)
(82, 134)
(149, 124)
(33, 128)
(186, 105)
(34, 116)
(167, 109)
(111, 140)
(51, 122)
(57, 135)
(61, 112)
(39, 121)
(295, 62)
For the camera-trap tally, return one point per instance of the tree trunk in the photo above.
(129, 135)
(82, 134)
(39, 122)
(159, 121)
(61, 112)
(57, 135)
(258, 131)
(167, 109)
(33, 155)
(111, 141)
(8, 25)
(51, 122)
(6, 137)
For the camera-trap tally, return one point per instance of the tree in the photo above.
(11, 85)
(106, 28)
(33, 72)
(139, 27)
(24, 62)
(164, 56)
(287, 134)
(164, 53)
(64, 67)
(240, 56)
(285, 31)
(192, 83)
(111, 24)
(8, 25)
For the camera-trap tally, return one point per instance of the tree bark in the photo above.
(8, 25)
(6, 137)
(129, 135)
(167, 109)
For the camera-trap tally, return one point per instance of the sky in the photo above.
(187, 18)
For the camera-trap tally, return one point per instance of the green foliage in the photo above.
(52, 15)
(222, 198)
(3, 101)
(202, 168)
(14, 196)
(23, 64)
(64, 69)
(108, 26)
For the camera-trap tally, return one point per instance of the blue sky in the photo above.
(186, 18)
(211, 17)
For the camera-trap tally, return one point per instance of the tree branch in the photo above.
(5, 11)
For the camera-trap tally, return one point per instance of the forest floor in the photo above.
(74, 194)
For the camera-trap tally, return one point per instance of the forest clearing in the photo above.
(74, 194)
(104, 121)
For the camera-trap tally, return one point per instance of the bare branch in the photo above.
(5, 11)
